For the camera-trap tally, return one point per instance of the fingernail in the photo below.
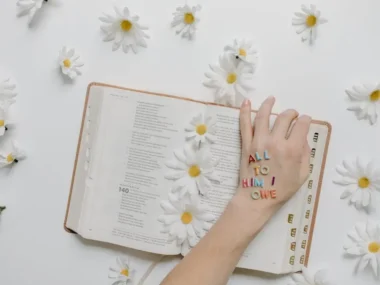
(245, 102)
(306, 117)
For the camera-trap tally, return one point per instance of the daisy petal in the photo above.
(355, 250)
(307, 275)
(174, 175)
(366, 198)
(375, 265)
(372, 230)
(345, 194)
(321, 277)
(364, 262)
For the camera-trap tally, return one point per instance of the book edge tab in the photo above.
(318, 194)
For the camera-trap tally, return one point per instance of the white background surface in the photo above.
(35, 250)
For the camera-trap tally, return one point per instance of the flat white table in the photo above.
(34, 248)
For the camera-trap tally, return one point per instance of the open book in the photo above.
(118, 182)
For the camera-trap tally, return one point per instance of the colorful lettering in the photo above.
(259, 183)
(255, 195)
(264, 194)
(264, 170)
(258, 158)
(266, 156)
(256, 167)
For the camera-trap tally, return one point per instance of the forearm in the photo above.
(215, 257)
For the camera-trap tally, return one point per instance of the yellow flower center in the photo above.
(188, 18)
(125, 272)
(311, 20)
(194, 171)
(10, 158)
(363, 182)
(231, 78)
(67, 63)
(201, 129)
(2, 123)
(186, 218)
(374, 247)
(375, 96)
(242, 52)
(126, 25)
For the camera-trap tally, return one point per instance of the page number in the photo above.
(123, 189)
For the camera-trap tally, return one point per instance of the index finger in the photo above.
(261, 123)
(246, 125)
(300, 129)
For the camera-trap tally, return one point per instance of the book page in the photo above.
(137, 135)
(269, 248)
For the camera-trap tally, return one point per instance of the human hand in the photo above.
(288, 154)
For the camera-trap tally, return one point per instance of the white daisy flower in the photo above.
(14, 156)
(364, 241)
(123, 274)
(201, 130)
(365, 101)
(70, 62)
(124, 30)
(4, 106)
(192, 171)
(185, 220)
(229, 80)
(29, 7)
(308, 22)
(242, 50)
(309, 278)
(361, 182)
(7, 90)
(186, 18)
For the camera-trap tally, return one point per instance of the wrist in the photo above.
(251, 214)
